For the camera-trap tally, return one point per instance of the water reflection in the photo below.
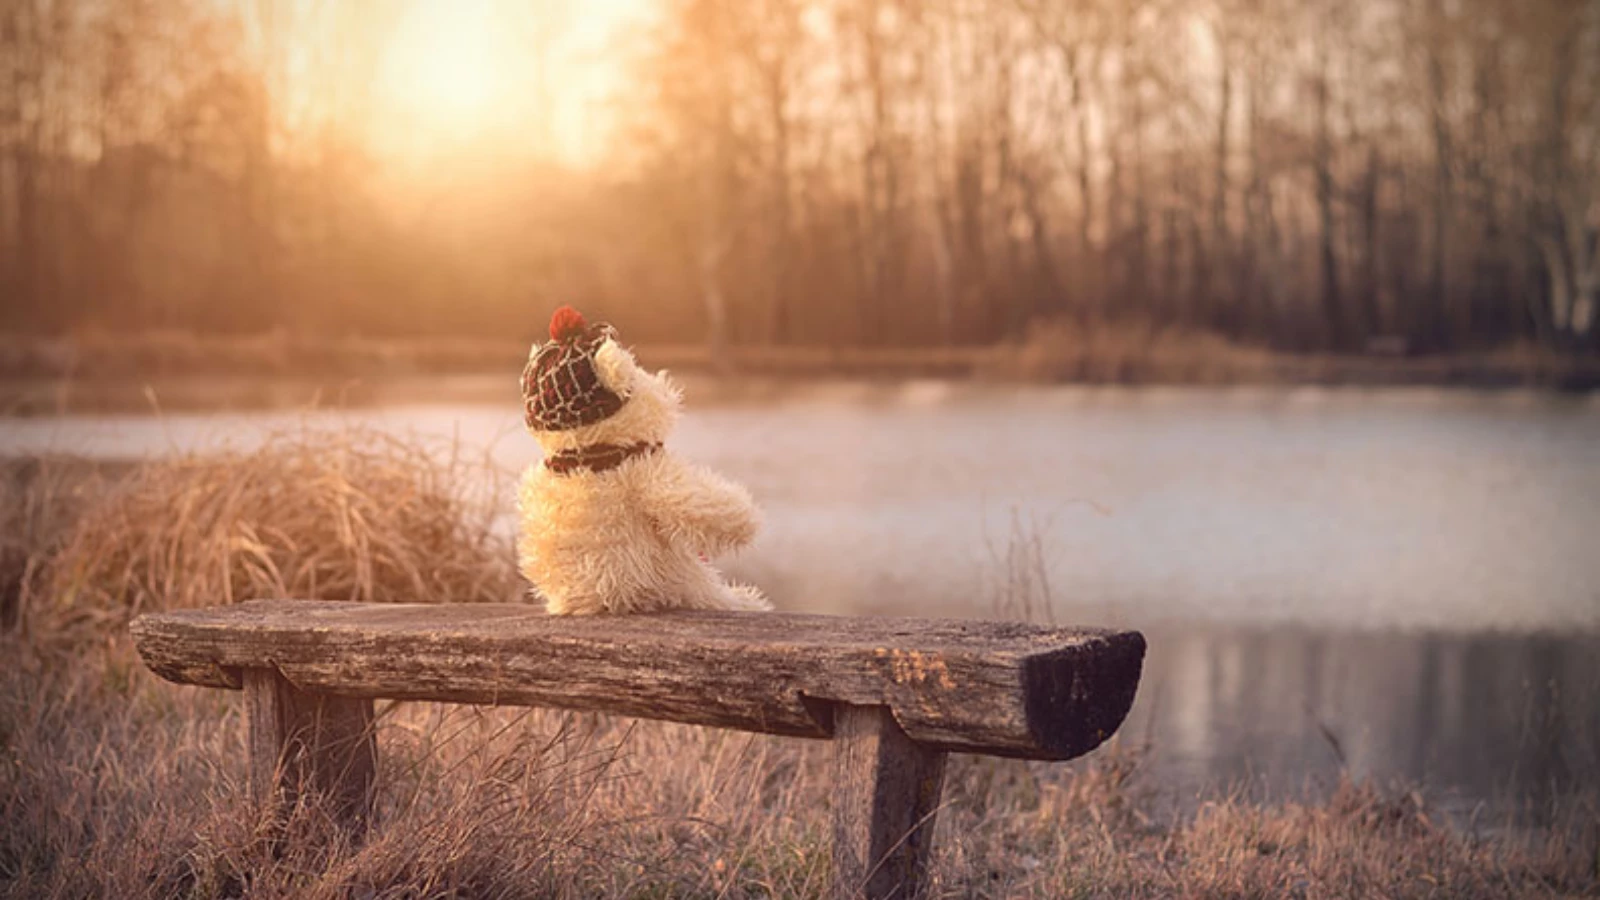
(1511, 722)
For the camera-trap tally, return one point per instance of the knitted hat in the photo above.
(561, 389)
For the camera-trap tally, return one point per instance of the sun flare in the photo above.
(499, 77)
(447, 67)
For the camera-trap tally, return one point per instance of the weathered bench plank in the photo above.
(1005, 689)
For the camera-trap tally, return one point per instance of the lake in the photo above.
(1396, 584)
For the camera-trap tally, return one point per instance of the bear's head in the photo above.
(583, 388)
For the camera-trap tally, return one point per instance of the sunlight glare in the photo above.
(447, 67)
(479, 79)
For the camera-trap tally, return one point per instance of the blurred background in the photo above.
(1266, 327)
(1392, 176)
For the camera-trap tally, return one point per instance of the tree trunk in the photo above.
(1215, 299)
(781, 228)
(1438, 287)
(1335, 333)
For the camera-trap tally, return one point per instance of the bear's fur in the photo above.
(636, 537)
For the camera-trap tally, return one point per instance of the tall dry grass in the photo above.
(355, 514)
(115, 784)
(1146, 352)
(40, 499)
(1134, 352)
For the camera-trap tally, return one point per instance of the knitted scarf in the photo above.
(597, 457)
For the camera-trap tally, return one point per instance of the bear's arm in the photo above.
(698, 509)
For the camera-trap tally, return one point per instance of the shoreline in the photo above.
(160, 370)
(37, 396)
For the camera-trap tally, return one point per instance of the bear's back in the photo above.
(586, 538)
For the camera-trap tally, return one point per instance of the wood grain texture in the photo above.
(886, 794)
(305, 743)
(1000, 688)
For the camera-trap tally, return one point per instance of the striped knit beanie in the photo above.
(560, 388)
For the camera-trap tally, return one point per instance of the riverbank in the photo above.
(165, 370)
(117, 784)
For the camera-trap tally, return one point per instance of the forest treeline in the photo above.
(1342, 175)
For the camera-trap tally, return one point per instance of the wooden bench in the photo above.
(896, 695)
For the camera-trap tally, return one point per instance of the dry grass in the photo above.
(352, 515)
(40, 499)
(1133, 352)
(1143, 352)
(113, 783)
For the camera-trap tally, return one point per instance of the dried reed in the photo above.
(1134, 352)
(335, 515)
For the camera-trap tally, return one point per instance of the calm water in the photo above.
(1397, 584)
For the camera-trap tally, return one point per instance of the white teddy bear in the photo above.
(610, 521)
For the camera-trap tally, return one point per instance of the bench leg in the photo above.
(301, 742)
(886, 793)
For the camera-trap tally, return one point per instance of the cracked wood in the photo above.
(999, 688)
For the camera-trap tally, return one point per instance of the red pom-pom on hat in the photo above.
(566, 323)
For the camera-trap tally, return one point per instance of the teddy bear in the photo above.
(610, 521)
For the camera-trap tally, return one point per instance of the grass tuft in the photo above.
(349, 515)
